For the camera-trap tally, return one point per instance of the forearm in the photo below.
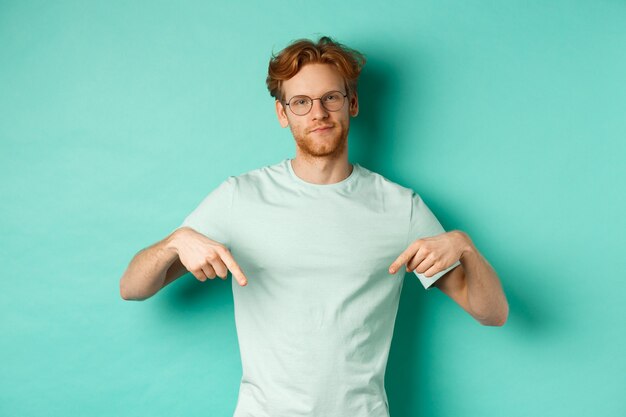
(485, 296)
(146, 272)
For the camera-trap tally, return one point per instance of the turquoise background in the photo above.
(117, 118)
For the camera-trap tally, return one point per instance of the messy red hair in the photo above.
(303, 51)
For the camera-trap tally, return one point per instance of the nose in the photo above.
(318, 111)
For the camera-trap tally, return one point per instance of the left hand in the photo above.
(430, 255)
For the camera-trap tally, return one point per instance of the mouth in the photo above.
(322, 129)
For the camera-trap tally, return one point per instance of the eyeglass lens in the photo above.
(331, 101)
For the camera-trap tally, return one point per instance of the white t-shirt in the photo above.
(316, 319)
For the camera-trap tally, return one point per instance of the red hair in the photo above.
(303, 51)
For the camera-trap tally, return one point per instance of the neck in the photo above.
(321, 170)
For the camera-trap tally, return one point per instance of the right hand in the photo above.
(206, 258)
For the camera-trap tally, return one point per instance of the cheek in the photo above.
(296, 126)
(344, 120)
(296, 129)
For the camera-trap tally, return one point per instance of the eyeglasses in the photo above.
(331, 101)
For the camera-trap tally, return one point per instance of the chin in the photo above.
(321, 145)
(324, 149)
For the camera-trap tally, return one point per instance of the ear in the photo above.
(280, 112)
(354, 105)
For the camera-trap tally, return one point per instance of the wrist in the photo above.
(465, 244)
(171, 242)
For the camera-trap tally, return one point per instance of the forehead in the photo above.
(314, 80)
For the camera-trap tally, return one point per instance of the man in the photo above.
(315, 246)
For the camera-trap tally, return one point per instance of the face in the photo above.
(314, 80)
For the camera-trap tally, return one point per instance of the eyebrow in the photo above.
(340, 89)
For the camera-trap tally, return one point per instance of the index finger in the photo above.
(403, 258)
(233, 267)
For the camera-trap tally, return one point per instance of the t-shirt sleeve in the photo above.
(423, 223)
(212, 216)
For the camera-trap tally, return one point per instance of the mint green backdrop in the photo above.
(117, 118)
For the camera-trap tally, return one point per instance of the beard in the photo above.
(329, 144)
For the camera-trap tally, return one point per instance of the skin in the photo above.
(473, 285)
(322, 158)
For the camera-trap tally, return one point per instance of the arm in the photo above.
(474, 285)
(151, 269)
(183, 250)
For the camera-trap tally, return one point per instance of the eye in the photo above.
(299, 101)
(332, 97)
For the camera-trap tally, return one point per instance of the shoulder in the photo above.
(257, 177)
(385, 185)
